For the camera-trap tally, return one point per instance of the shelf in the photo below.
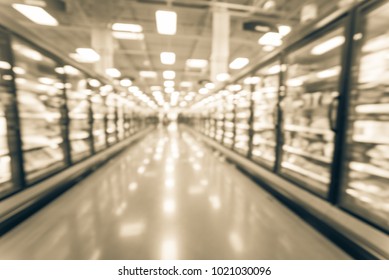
(306, 173)
(78, 116)
(296, 151)
(264, 141)
(373, 108)
(369, 169)
(260, 127)
(4, 153)
(296, 128)
(259, 154)
(40, 116)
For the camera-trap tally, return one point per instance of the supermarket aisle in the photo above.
(167, 197)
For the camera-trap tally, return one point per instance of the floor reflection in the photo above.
(166, 197)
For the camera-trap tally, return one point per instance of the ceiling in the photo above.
(193, 38)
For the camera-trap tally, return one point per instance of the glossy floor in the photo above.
(166, 197)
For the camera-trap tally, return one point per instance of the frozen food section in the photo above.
(242, 117)
(40, 102)
(366, 186)
(309, 111)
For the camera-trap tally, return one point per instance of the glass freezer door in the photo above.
(308, 107)
(366, 186)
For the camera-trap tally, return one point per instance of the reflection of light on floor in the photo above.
(157, 157)
(169, 183)
(120, 209)
(169, 250)
(141, 170)
(159, 150)
(149, 150)
(133, 186)
(193, 190)
(172, 127)
(196, 167)
(132, 229)
(96, 254)
(215, 202)
(146, 161)
(192, 159)
(169, 168)
(200, 154)
(236, 241)
(204, 182)
(169, 206)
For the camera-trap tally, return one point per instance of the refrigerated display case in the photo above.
(365, 189)
(242, 118)
(309, 111)
(5, 85)
(265, 99)
(99, 113)
(40, 102)
(229, 120)
(111, 118)
(127, 118)
(80, 116)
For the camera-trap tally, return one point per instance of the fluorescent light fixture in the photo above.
(168, 84)
(85, 55)
(284, 30)
(36, 14)
(328, 73)
(169, 90)
(113, 72)
(59, 70)
(5, 65)
(29, 53)
(106, 88)
(148, 74)
(94, 83)
(183, 104)
(168, 58)
(203, 91)
(128, 35)
(155, 88)
(271, 39)
(186, 84)
(252, 80)
(127, 27)
(296, 82)
(125, 82)
(275, 69)
(19, 70)
(169, 75)
(328, 45)
(268, 48)
(222, 77)
(70, 70)
(210, 85)
(196, 63)
(239, 63)
(166, 22)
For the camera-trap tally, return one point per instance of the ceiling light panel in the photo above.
(168, 58)
(239, 63)
(127, 27)
(113, 72)
(168, 84)
(328, 45)
(169, 75)
(166, 22)
(197, 63)
(271, 39)
(148, 74)
(36, 14)
(128, 35)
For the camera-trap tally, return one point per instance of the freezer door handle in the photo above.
(332, 113)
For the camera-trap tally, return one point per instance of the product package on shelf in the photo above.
(99, 113)
(309, 111)
(366, 187)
